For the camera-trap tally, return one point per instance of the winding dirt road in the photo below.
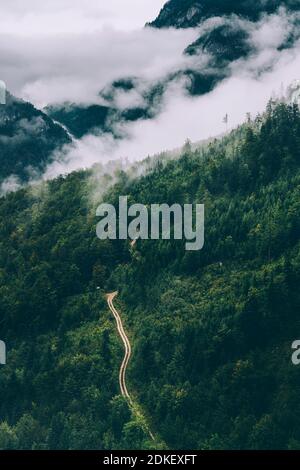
(123, 368)
(121, 331)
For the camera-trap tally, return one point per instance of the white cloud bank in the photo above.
(77, 64)
(35, 18)
(248, 89)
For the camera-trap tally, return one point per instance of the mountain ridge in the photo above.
(189, 13)
(28, 139)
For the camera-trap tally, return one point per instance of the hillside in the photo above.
(28, 138)
(211, 331)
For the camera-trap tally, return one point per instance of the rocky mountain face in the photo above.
(221, 42)
(28, 138)
(226, 39)
(82, 119)
(189, 13)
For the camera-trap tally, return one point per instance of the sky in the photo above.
(68, 50)
(43, 17)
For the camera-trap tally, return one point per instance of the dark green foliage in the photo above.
(80, 120)
(211, 331)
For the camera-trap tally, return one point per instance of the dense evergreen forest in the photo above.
(211, 330)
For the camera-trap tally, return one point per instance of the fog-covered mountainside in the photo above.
(81, 119)
(227, 39)
(28, 138)
(227, 33)
(211, 331)
(189, 13)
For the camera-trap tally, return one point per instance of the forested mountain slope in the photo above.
(211, 331)
(28, 138)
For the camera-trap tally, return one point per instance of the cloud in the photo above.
(76, 66)
(9, 185)
(251, 83)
